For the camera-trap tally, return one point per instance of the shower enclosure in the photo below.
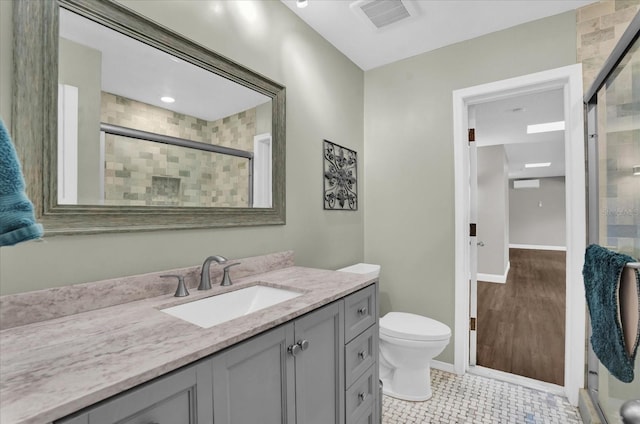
(613, 151)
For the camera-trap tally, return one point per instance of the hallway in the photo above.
(521, 324)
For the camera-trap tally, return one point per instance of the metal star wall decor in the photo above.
(340, 178)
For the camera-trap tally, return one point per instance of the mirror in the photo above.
(115, 157)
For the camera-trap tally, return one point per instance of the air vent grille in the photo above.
(383, 12)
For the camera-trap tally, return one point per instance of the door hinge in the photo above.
(472, 230)
(472, 324)
(472, 135)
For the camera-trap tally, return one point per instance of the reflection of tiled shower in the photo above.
(166, 175)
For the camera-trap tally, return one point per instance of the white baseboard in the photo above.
(537, 247)
(442, 366)
(495, 278)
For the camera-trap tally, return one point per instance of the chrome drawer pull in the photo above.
(362, 310)
(362, 396)
(362, 354)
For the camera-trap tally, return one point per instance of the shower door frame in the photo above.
(619, 52)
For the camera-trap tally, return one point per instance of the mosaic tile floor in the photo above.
(474, 399)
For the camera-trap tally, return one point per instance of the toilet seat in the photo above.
(407, 326)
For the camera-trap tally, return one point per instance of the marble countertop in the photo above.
(52, 368)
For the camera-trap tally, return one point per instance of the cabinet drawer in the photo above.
(361, 396)
(359, 354)
(366, 418)
(360, 311)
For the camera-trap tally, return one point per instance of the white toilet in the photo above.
(408, 343)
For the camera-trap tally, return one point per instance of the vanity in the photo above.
(309, 359)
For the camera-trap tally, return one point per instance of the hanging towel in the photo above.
(17, 221)
(602, 271)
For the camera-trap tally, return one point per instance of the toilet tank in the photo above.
(362, 269)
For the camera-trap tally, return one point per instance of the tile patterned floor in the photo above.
(474, 399)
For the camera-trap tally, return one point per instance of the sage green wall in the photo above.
(408, 126)
(324, 101)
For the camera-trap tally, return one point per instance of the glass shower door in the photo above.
(614, 151)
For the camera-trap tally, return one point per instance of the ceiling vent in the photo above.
(382, 13)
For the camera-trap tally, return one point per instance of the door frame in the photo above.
(568, 78)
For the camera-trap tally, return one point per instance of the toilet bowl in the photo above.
(408, 343)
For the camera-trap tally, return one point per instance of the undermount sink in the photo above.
(217, 309)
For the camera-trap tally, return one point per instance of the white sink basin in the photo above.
(215, 310)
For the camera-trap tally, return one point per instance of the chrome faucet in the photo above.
(205, 279)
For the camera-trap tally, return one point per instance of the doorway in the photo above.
(521, 233)
(569, 80)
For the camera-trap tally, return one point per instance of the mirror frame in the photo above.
(35, 126)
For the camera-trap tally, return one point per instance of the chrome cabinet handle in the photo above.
(362, 310)
(362, 396)
(294, 349)
(362, 354)
(304, 344)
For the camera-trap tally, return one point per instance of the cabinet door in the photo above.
(254, 381)
(320, 366)
(182, 397)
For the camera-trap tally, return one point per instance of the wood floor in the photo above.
(521, 323)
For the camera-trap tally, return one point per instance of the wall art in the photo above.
(340, 177)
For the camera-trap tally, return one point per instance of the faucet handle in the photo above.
(226, 279)
(181, 291)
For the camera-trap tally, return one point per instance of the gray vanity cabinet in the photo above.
(320, 368)
(181, 397)
(292, 374)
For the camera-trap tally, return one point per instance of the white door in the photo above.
(473, 240)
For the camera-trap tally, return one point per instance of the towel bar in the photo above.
(634, 265)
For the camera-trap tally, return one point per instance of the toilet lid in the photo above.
(408, 326)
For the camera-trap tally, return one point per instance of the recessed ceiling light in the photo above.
(537, 165)
(167, 99)
(546, 127)
(302, 3)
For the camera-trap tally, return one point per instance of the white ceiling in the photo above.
(437, 23)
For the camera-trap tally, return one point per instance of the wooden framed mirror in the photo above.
(155, 186)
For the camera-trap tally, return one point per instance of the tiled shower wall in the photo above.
(139, 173)
(599, 27)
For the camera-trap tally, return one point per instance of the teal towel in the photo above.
(601, 272)
(17, 221)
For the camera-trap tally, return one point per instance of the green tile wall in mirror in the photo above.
(152, 132)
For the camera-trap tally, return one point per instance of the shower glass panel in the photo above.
(616, 207)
